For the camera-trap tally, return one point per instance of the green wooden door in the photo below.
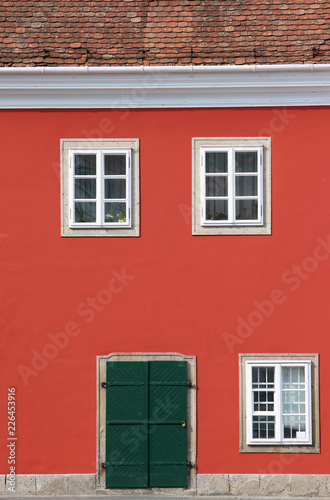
(146, 433)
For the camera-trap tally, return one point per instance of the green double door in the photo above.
(146, 433)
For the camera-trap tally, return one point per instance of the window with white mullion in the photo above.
(295, 414)
(295, 403)
(231, 187)
(116, 188)
(83, 209)
(261, 185)
(241, 167)
(248, 176)
(263, 404)
(279, 403)
(214, 182)
(99, 187)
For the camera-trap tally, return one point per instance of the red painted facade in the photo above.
(173, 292)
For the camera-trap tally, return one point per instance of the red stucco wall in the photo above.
(187, 293)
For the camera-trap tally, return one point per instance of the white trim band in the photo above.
(165, 86)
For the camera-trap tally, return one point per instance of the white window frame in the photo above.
(278, 408)
(100, 147)
(100, 196)
(204, 226)
(232, 197)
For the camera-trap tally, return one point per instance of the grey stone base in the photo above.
(264, 485)
(55, 484)
(235, 485)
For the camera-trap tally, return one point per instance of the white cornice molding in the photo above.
(165, 86)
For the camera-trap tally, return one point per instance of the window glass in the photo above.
(85, 164)
(85, 212)
(84, 188)
(216, 163)
(246, 161)
(115, 212)
(115, 188)
(232, 178)
(111, 201)
(114, 164)
(216, 186)
(246, 185)
(246, 210)
(217, 210)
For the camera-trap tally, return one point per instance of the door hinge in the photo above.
(122, 384)
(188, 464)
(109, 464)
(188, 384)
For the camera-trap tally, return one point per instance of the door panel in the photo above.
(146, 437)
(126, 441)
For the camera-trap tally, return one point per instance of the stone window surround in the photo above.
(197, 143)
(191, 416)
(256, 448)
(66, 145)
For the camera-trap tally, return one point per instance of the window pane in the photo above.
(262, 375)
(263, 427)
(246, 185)
(85, 212)
(292, 425)
(246, 209)
(246, 161)
(302, 374)
(293, 395)
(85, 188)
(263, 401)
(115, 212)
(286, 375)
(115, 188)
(293, 377)
(290, 396)
(114, 164)
(216, 185)
(216, 163)
(216, 210)
(270, 375)
(85, 164)
(291, 400)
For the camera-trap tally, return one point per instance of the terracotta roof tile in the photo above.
(153, 32)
